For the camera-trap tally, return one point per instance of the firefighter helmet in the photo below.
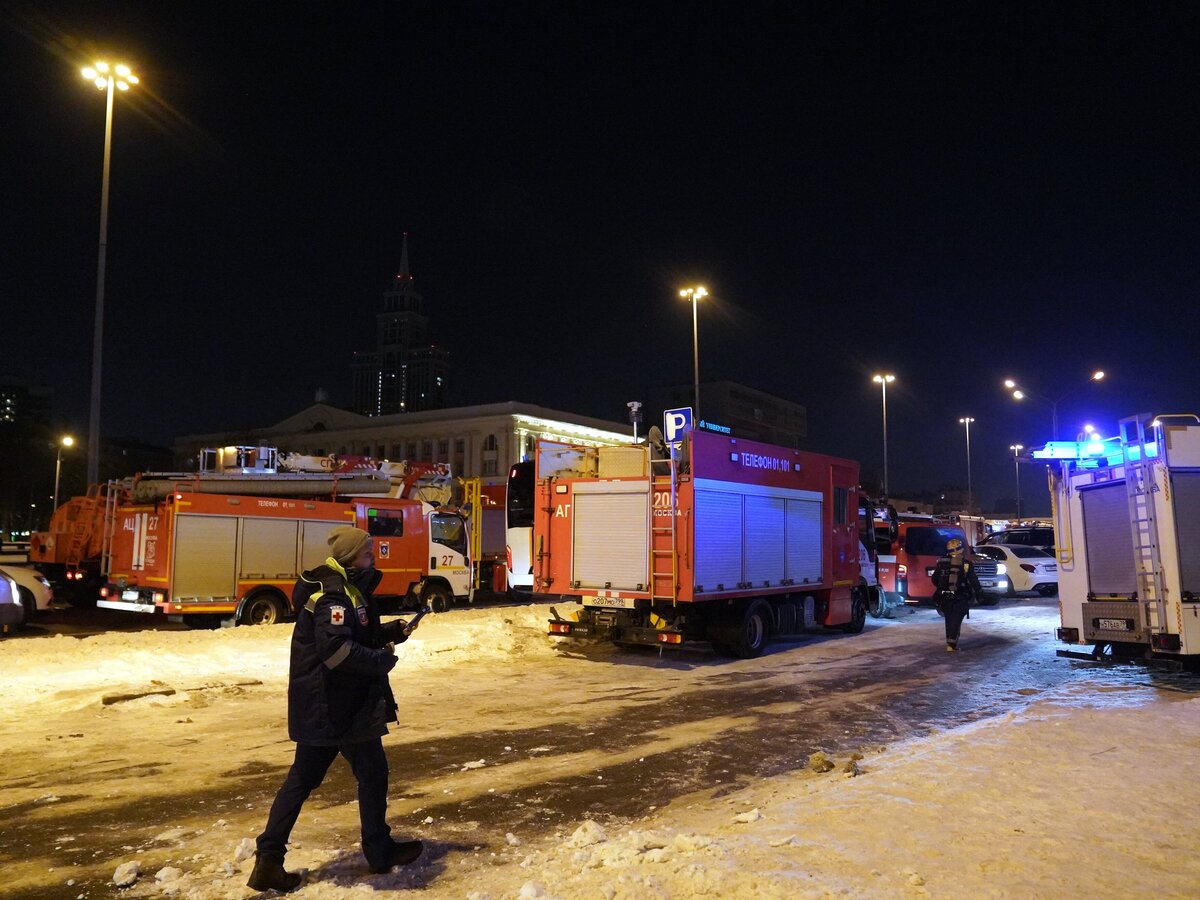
(953, 544)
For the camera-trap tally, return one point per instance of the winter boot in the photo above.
(951, 645)
(269, 875)
(400, 854)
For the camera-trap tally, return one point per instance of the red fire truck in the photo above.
(731, 542)
(227, 543)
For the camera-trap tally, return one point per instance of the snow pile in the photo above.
(72, 673)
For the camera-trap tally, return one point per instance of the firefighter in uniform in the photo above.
(339, 702)
(958, 588)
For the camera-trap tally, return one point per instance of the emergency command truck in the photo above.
(730, 542)
(1127, 528)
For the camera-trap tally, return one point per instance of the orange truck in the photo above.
(908, 555)
(227, 543)
(732, 542)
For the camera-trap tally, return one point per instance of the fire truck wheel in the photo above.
(858, 613)
(876, 603)
(261, 609)
(437, 598)
(751, 636)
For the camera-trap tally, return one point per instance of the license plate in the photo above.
(129, 595)
(611, 602)
(1113, 624)
(984, 582)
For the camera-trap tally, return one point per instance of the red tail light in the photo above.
(560, 628)
(1028, 568)
(508, 557)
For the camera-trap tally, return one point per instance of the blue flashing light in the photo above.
(1092, 452)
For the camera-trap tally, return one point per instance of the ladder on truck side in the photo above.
(664, 542)
(1140, 487)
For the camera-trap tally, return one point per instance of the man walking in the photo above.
(339, 702)
(958, 588)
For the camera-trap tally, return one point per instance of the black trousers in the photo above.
(369, 765)
(955, 611)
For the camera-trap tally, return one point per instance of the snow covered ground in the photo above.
(1089, 791)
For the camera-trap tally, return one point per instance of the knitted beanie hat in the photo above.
(346, 542)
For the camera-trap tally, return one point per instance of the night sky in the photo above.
(949, 194)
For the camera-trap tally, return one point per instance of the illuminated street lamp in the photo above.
(65, 441)
(695, 294)
(883, 380)
(1020, 393)
(967, 420)
(106, 78)
(1016, 451)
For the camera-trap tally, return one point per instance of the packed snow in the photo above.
(1090, 791)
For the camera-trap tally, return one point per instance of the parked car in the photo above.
(12, 611)
(1029, 569)
(33, 590)
(1039, 536)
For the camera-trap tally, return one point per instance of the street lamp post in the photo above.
(883, 380)
(106, 78)
(967, 420)
(1020, 393)
(66, 441)
(695, 294)
(1016, 452)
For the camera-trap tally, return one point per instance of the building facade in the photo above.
(406, 372)
(477, 441)
(744, 411)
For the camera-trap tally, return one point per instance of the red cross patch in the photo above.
(337, 615)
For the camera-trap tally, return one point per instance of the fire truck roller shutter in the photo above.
(719, 543)
(268, 549)
(804, 541)
(612, 535)
(205, 557)
(765, 544)
(1109, 540)
(1185, 490)
(313, 547)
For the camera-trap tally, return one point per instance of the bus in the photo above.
(518, 528)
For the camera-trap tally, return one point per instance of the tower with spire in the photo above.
(406, 372)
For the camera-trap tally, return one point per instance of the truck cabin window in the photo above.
(930, 541)
(385, 522)
(447, 529)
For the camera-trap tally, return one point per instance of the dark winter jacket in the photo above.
(338, 690)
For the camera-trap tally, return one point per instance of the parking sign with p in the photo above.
(676, 423)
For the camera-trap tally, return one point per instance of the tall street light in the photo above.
(1020, 393)
(695, 294)
(967, 420)
(106, 78)
(883, 380)
(1016, 452)
(65, 441)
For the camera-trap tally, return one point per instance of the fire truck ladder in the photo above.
(664, 558)
(112, 492)
(1140, 486)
